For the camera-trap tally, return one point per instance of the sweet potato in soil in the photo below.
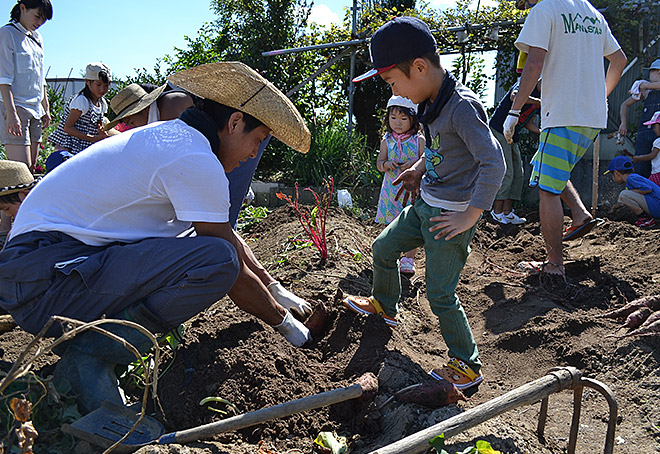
(523, 327)
(652, 302)
(638, 317)
(652, 329)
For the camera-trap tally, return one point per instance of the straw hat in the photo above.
(236, 85)
(14, 177)
(131, 100)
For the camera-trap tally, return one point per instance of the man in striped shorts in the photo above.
(566, 41)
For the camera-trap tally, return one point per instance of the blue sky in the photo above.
(133, 34)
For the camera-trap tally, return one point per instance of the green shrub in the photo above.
(350, 162)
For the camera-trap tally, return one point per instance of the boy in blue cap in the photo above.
(450, 186)
(641, 195)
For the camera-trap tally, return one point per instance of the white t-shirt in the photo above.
(22, 66)
(154, 113)
(151, 181)
(655, 162)
(576, 38)
(81, 103)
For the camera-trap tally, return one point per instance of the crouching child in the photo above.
(641, 195)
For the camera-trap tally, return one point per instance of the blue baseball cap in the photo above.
(401, 39)
(619, 163)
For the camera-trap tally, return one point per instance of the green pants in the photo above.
(444, 262)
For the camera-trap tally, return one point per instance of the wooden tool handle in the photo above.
(263, 415)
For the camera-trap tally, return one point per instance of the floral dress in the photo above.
(407, 150)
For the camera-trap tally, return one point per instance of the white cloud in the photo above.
(323, 15)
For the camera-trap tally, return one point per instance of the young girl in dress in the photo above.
(83, 117)
(400, 148)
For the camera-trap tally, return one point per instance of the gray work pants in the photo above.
(51, 273)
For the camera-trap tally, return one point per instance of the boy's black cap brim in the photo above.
(372, 73)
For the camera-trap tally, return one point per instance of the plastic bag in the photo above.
(344, 198)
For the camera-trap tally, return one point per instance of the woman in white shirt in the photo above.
(24, 105)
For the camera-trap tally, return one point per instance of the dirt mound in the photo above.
(524, 326)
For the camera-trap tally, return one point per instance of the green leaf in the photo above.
(483, 447)
(438, 443)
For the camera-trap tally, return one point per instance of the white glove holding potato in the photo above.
(293, 330)
(510, 125)
(288, 300)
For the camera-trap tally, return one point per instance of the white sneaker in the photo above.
(513, 218)
(499, 217)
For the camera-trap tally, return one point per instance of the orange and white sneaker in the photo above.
(458, 373)
(366, 306)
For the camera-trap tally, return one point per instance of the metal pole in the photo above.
(356, 42)
(293, 50)
(564, 378)
(351, 85)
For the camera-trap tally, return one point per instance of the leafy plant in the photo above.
(334, 152)
(313, 222)
(48, 411)
(481, 447)
(250, 215)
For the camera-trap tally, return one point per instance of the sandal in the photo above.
(458, 374)
(536, 268)
(573, 233)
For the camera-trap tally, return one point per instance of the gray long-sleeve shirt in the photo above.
(464, 161)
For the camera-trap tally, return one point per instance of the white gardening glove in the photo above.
(288, 300)
(510, 125)
(294, 331)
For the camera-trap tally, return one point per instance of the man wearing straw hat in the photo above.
(112, 250)
(137, 107)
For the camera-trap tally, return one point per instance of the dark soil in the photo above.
(524, 326)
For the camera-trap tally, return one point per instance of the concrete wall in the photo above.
(70, 86)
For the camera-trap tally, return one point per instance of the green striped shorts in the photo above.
(559, 150)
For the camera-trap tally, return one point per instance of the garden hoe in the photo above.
(106, 425)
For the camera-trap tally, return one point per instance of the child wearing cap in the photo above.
(450, 186)
(16, 180)
(400, 148)
(653, 156)
(641, 195)
(83, 118)
(649, 93)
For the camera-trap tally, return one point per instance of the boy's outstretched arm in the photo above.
(410, 181)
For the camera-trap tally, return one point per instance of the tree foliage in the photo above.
(244, 29)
